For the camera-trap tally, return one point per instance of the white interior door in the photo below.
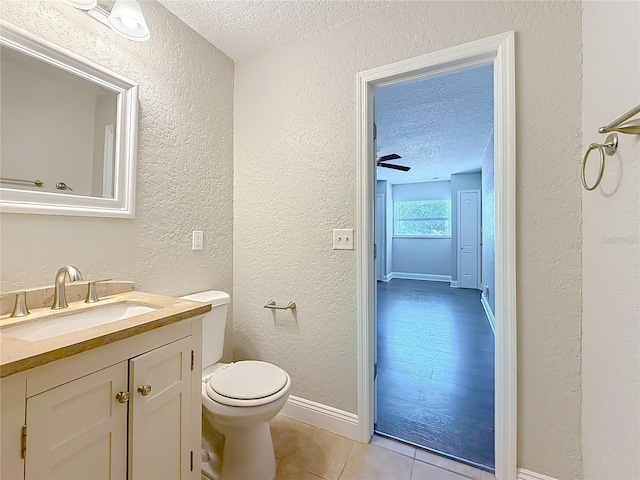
(380, 236)
(469, 234)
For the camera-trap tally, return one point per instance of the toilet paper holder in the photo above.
(272, 304)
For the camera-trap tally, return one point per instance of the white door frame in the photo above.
(479, 236)
(498, 50)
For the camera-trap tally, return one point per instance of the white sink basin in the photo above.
(74, 322)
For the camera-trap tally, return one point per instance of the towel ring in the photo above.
(610, 147)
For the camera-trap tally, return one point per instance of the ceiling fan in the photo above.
(386, 158)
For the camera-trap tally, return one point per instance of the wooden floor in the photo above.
(436, 369)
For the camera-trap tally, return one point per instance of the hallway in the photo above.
(436, 369)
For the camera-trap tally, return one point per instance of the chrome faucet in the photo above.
(59, 294)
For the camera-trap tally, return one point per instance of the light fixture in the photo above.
(126, 19)
(81, 4)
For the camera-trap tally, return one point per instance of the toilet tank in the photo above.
(213, 324)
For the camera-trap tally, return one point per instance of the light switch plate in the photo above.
(343, 239)
(197, 240)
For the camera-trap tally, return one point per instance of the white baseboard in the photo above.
(488, 312)
(529, 475)
(420, 276)
(322, 416)
(386, 278)
(454, 284)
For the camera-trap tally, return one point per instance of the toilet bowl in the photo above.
(238, 401)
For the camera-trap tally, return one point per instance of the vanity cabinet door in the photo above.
(79, 429)
(159, 426)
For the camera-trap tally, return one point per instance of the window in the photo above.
(422, 218)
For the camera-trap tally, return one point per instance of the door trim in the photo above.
(479, 237)
(498, 50)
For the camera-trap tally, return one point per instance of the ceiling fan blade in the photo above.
(395, 167)
(386, 158)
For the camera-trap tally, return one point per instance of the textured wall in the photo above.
(295, 180)
(185, 162)
(488, 224)
(611, 252)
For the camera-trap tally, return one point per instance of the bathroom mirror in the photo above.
(68, 142)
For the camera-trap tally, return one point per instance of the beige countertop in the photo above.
(18, 355)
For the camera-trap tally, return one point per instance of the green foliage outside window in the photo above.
(422, 218)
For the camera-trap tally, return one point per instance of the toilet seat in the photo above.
(247, 383)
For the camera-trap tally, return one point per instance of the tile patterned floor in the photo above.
(305, 452)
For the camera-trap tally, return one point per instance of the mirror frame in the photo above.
(122, 205)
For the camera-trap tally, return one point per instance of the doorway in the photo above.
(435, 346)
(499, 51)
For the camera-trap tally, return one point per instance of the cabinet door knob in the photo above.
(123, 397)
(144, 390)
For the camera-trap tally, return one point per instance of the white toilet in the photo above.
(238, 400)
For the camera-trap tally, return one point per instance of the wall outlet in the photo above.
(343, 239)
(197, 240)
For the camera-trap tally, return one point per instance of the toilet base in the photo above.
(248, 453)
(248, 449)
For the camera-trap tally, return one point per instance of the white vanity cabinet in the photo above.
(158, 420)
(78, 430)
(130, 409)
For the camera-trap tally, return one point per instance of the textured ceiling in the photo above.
(241, 28)
(439, 125)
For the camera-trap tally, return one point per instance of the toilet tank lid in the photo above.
(213, 297)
